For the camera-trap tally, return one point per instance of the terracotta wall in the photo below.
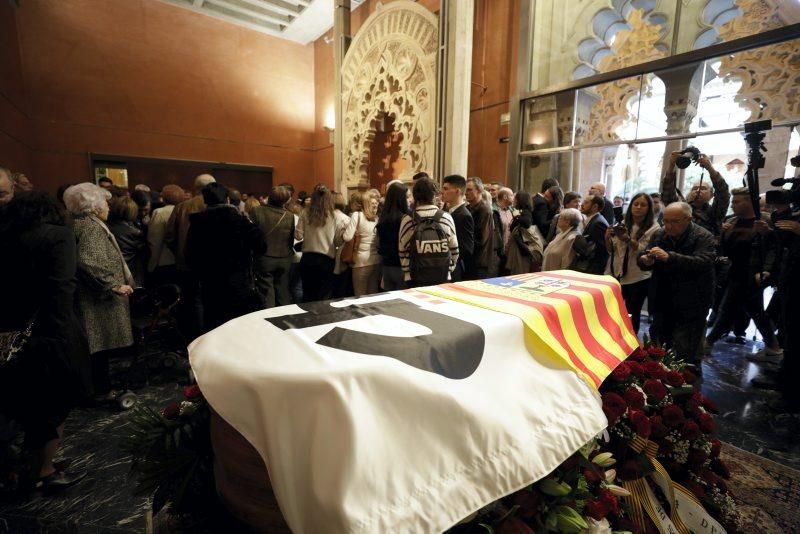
(145, 78)
(15, 138)
(494, 69)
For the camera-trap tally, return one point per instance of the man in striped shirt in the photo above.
(424, 192)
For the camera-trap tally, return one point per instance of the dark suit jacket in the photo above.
(590, 248)
(484, 252)
(608, 211)
(465, 232)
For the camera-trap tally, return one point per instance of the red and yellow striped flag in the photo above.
(579, 319)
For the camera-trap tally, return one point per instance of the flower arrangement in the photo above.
(171, 449)
(581, 495)
(660, 425)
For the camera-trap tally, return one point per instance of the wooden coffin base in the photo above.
(242, 480)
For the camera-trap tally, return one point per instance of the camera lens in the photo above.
(683, 161)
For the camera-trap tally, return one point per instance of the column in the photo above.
(341, 42)
(683, 87)
(456, 32)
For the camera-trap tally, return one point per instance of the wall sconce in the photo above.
(330, 123)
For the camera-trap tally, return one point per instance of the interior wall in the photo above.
(15, 134)
(494, 69)
(145, 78)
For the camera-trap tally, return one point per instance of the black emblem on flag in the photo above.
(453, 349)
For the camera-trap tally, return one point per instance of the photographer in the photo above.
(681, 256)
(624, 242)
(748, 244)
(708, 206)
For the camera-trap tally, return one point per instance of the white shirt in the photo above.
(633, 247)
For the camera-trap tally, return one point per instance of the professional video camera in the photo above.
(754, 137)
(685, 160)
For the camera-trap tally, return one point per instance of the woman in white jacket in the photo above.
(559, 253)
(366, 260)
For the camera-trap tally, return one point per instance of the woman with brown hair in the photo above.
(123, 213)
(161, 265)
(366, 261)
(320, 230)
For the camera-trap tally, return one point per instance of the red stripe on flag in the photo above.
(600, 304)
(582, 326)
(551, 319)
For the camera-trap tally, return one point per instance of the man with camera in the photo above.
(681, 256)
(709, 206)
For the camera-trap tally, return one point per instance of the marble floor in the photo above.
(105, 502)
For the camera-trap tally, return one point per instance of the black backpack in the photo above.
(430, 251)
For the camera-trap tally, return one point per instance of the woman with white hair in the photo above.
(104, 281)
(559, 253)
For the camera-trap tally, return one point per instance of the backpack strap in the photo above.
(438, 215)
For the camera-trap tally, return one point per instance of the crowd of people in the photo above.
(73, 261)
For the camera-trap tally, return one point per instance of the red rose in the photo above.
(658, 429)
(634, 398)
(675, 379)
(171, 411)
(630, 470)
(614, 407)
(723, 487)
(672, 416)
(640, 422)
(697, 489)
(656, 352)
(596, 510)
(609, 500)
(192, 392)
(696, 459)
(528, 502)
(514, 525)
(706, 422)
(716, 447)
(636, 369)
(654, 370)
(621, 372)
(719, 467)
(638, 355)
(710, 405)
(690, 430)
(689, 377)
(709, 476)
(592, 477)
(655, 391)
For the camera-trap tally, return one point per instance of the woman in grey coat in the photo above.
(104, 281)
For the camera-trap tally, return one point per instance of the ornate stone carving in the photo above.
(390, 69)
(770, 75)
(631, 47)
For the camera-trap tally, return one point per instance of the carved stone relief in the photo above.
(390, 69)
(631, 47)
(770, 75)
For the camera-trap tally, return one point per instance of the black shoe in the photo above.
(59, 481)
(765, 382)
(62, 464)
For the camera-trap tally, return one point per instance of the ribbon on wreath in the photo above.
(686, 515)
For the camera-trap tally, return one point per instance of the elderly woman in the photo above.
(559, 253)
(104, 281)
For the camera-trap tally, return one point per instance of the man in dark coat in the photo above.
(543, 208)
(591, 254)
(483, 264)
(709, 206)
(453, 188)
(681, 256)
(220, 247)
(607, 211)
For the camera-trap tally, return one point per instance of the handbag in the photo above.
(12, 343)
(350, 248)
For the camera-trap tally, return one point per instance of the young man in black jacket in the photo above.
(453, 188)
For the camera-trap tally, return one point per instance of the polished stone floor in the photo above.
(105, 502)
